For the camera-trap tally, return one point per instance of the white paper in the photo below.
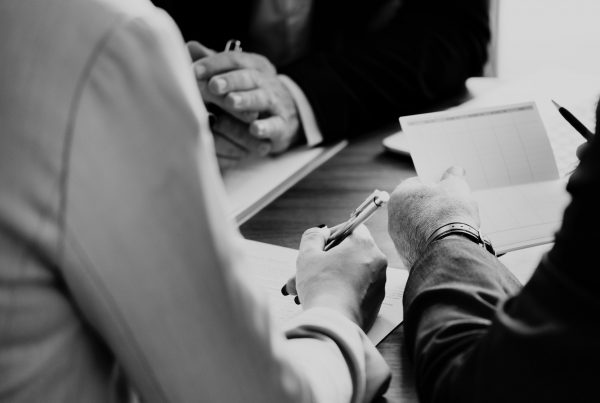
(521, 216)
(575, 91)
(522, 263)
(255, 183)
(271, 266)
(509, 164)
(498, 146)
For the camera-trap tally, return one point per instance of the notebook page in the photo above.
(270, 266)
(521, 216)
(498, 146)
(577, 92)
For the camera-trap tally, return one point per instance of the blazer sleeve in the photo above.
(421, 57)
(151, 259)
(475, 336)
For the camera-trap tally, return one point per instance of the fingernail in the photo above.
(457, 170)
(199, 70)
(284, 290)
(264, 149)
(220, 84)
(259, 129)
(235, 99)
(321, 226)
(297, 300)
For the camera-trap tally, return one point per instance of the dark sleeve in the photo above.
(473, 341)
(423, 56)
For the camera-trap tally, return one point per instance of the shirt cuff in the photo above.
(307, 116)
(369, 372)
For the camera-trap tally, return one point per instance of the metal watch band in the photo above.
(465, 230)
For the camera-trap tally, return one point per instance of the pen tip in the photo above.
(555, 104)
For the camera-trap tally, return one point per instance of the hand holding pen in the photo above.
(341, 231)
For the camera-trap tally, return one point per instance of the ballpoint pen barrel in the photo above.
(576, 123)
(233, 45)
(368, 200)
(573, 121)
(362, 217)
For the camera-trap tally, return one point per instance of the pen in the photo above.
(361, 214)
(233, 45)
(573, 121)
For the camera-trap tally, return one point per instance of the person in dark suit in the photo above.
(315, 71)
(474, 333)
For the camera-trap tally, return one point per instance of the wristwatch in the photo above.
(464, 230)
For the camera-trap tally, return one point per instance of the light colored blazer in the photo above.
(117, 264)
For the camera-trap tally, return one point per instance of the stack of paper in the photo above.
(509, 162)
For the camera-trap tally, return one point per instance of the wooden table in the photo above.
(327, 196)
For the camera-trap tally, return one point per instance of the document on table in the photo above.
(523, 262)
(255, 183)
(577, 92)
(509, 163)
(271, 266)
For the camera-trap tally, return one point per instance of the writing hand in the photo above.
(417, 209)
(246, 85)
(349, 278)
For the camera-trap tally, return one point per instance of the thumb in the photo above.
(454, 180)
(198, 51)
(314, 239)
(454, 171)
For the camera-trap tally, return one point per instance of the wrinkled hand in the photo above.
(417, 209)
(198, 51)
(349, 278)
(246, 86)
(233, 142)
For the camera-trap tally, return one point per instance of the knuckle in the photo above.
(254, 78)
(311, 233)
(234, 101)
(380, 261)
(262, 60)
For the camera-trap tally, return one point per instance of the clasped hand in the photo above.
(256, 114)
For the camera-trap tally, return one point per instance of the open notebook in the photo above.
(255, 183)
(270, 266)
(509, 165)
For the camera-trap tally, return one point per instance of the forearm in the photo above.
(466, 332)
(450, 303)
(472, 342)
(422, 56)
